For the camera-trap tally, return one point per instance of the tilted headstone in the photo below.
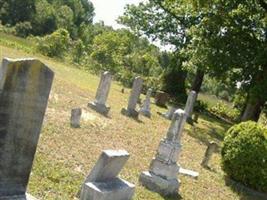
(24, 90)
(103, 183)
(208, 154)
(75, 118)
(133, 99)
(169, 113)
(145, 109)
(163, 171)
(99, 104)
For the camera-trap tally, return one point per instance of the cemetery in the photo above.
(85, 123)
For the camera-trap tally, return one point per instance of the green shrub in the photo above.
(222, 109)
(54, 45)
(244, 155)
(23, 29)
(200, 106)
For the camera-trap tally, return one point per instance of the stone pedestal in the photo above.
(103, 183)
(158, 184)
(100, 108)
(145, 109)
(163, 170)
(130, 111)
(99, 104)
(114, 189)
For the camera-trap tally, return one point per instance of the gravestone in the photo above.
(169, 113)
(103, 183)
(99, 104)
(189, 107)
(24, 90)
(163, 170)
(208, 154)
(133, 99)
(161, 98)
(75, 118)
(145, 109)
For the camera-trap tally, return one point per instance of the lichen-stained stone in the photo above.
(24, 90)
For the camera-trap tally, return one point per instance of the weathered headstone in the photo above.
(103, 183)
(169, 113)
(133, 99)
(75, 118)
(24, 90)
(208, 154)
(163, 171)
(161, 98)
(99, 104)
(189, 107)
(145, 109)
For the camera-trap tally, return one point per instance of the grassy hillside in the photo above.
(66, 155)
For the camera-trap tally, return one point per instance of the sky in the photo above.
(109, 10)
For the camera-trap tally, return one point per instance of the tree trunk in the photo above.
(198, 81)
(253, 110)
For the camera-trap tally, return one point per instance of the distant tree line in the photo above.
(41, 17)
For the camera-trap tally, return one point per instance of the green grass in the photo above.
(65, 155)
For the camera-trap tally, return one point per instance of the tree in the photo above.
(14, 11)
(231, 40)
(167, 22)
(44, 21)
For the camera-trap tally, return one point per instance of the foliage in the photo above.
(222, 110)
(223, 89)
(78, 51)
(173, 82)
(54, 45)
(15, 11)
(46, 16)
(244, 155)
(23, 29)
(242, 60)
(200, 106)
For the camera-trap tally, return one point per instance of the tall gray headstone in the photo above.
(102, 183)
(75, 118)
(133, 99)
(163, 170)
(189, 107)
(99, 104)
(145, 109)
(24, 90)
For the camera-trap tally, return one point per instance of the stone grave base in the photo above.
(115, 189)
(100, 108)
(130, 113)
(158, 184)
(19, 197)
(145, 113)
